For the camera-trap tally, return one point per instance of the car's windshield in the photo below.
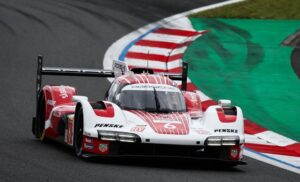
(152, 98)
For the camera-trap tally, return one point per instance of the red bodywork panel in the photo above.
(235, 152)
(107, 112)
(193, 104)
(57, 95)
(206, 104)
(95, 146)
(56, 118)
(58, 100)
(225, 118)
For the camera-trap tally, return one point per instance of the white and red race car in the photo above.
(143, 114)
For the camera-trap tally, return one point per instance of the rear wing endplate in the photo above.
(58, 71)
(180, 77)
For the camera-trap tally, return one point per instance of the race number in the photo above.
(170, 126)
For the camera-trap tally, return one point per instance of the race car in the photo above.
(143, 114)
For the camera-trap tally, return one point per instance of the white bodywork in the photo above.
(198, 129)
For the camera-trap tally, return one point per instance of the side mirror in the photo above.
(118, 99)
(224, 103)
(78, 98)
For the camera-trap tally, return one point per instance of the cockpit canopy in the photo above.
(151, 98)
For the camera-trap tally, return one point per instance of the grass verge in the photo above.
(258, 9)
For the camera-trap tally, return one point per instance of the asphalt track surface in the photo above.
(76, 33)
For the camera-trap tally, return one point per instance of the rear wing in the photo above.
(119, 68)
(58, 71)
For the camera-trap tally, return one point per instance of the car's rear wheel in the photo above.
(39, 122)
(78, 132)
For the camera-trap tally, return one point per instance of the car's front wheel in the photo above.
(78, 132)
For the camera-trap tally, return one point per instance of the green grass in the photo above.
(256, 9)
(242, 60)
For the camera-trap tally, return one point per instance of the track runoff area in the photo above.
(233, 51)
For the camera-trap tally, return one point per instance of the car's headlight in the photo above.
(118, 136)
(107, 135)
(230, 140)
(127, 137)
(214, 141)
(223, 141)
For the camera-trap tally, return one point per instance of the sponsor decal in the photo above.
(69, 131)
(103, 147)
(63, 93)
(138, 128)
(108, 126)
(89, 146)
(51, 102)
(225, 131)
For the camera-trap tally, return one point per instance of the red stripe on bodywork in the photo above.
(272, 149)
(145, 118)
(181, 126)
(153, 57)
(178, 32)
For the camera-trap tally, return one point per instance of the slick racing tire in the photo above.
(78, 132)
(40, 119)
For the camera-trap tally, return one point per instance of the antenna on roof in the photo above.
(148, 63)
(168, 58)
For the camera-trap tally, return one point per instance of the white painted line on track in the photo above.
(276, 138)
(166, 38)
(289, 159)
(271, 160)
(256, 140)
(156, 50)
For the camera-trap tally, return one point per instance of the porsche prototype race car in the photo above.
(143, 114)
